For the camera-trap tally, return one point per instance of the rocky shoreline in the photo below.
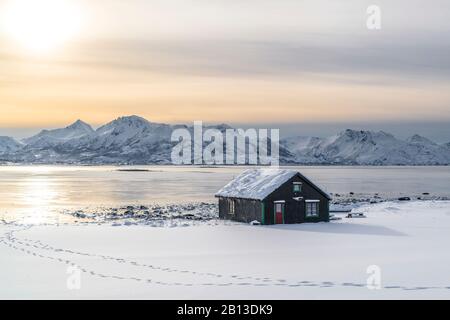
(174, 215)
(154, 215)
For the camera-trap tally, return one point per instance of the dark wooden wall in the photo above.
(245, 210)
(295, 210)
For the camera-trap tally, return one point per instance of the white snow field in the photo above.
(408, 241)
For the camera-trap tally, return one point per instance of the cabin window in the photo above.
(297, 187)
(312, 208)
(231, 206)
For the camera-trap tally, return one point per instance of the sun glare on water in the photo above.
(41, 26)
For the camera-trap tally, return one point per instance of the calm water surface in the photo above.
(40, 191)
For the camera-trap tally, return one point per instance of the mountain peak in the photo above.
(79, 124)
(132, 118)
(418, 139)
(355, 134)
(130, 121)
(47, 138)
(365, 134)
(131, 125)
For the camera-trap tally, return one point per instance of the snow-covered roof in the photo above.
(257, 184)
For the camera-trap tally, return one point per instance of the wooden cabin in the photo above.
(273, 196)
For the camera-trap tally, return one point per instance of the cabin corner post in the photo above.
(328, 211)
(263, 212)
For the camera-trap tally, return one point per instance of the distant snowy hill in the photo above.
(126, 140)
(49, 138)
(134, 140)
(131, 140)
(9, 145)
(416, 139)
(366, 148)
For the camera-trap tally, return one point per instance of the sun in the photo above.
(41, 26)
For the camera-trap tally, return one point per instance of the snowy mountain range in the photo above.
(134, 140)
(353, 147)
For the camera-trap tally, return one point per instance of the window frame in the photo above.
(299, 185)
(312, 208)
(231, 207)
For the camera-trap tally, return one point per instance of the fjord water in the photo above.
(41, 192)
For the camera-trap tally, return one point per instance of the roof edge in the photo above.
(315, 186)
(242, 198)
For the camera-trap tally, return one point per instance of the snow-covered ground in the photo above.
(407, 241)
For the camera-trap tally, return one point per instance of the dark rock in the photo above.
(404, 199)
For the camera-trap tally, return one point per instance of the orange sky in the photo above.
(170, 62)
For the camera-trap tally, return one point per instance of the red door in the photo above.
(279, 213)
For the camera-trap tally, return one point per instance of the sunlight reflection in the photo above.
(38, 195)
